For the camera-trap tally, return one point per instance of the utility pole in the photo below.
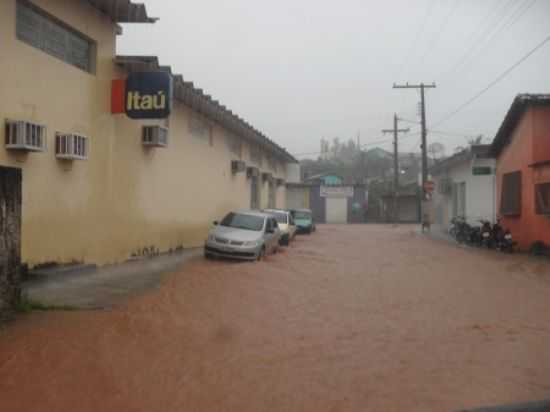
(421, 86)
(396, 130)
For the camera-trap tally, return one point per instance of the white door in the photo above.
(337, 209)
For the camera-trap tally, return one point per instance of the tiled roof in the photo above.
(518, 107)
(123, 11)
(194, 97)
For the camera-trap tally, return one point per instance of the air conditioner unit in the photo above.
(71, 146)
(25, 136)
(280, 182)
(237, 166)
(154, 136)
(252, 171)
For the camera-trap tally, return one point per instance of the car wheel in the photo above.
(207, 255)
(261, 254)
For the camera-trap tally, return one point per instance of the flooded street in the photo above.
(352, 318)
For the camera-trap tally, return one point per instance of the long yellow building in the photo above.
(97, 186)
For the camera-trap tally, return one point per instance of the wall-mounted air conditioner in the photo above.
(154, 136)
(280, 181)
(238, 166)
(25, 136)
(252, 171)
(267, 177)
(71, 146)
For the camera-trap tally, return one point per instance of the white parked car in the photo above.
(246, 235)
(286, 224)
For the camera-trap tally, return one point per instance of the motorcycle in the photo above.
(507, 243)
(487, 239)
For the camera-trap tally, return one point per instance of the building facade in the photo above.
(522, 150)
(94, 189)
(336, 204)
(465, 186)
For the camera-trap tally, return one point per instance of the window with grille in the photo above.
(71, 146)
(542, 200)
(510, 202)
(40, 30)
(22, 135)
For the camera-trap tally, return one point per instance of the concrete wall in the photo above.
(480, 194)
(124, 197)
(529, 143)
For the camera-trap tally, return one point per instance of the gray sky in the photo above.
(300, 70)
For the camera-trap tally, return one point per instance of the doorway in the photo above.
(10, 238)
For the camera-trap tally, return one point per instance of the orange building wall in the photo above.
(530, 143)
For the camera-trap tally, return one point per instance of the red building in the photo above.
(522, 150)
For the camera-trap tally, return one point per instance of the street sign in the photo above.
(336, 191)
(143, 95)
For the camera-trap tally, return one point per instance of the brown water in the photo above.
(353, 318)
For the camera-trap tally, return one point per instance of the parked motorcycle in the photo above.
(487, 239)
(507, 243)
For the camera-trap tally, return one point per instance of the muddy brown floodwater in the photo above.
(352, 318)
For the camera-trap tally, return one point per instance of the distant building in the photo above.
(407, 204)
(343, 203)
(522, 150)
(326, 179)
(464, 186)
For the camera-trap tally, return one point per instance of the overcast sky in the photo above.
(300, 70)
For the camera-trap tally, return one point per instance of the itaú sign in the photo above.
(143, 95)
(336, 191)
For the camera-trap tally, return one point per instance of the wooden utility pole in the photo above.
(395, 132)
(421, 86)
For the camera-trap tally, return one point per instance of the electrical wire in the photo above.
(419, 33)
(437, 36)
(483, 29)
(512, 19)
(494, 82)
(382, 141)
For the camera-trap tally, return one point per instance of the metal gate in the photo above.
(10, 238)
(337, 209)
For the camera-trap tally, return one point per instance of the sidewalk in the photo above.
(89, 287)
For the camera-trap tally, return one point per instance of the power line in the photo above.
(482, 46)
(437, 36)
(494, 82)
(419, 33)
(486, 23)
(362, 145)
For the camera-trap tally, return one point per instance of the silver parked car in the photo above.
(286, 224)
(246, 234)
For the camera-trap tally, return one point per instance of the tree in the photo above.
(476, 140)
(436, 150)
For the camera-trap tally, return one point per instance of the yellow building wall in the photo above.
(124, 197)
